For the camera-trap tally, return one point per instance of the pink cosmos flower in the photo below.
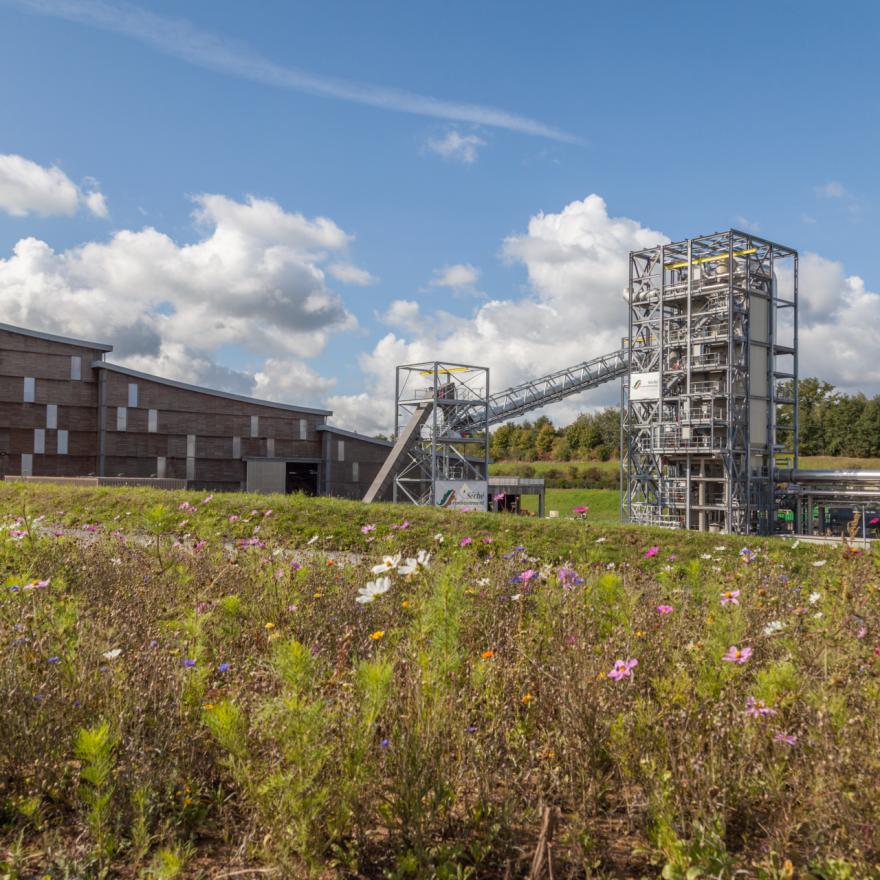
(730, 597)
(464, 542)
(788, 738)
(758, 708)
(579, 509)
(234, 518)
(623, 669)
(651, 551)
(369, 527)
(664, 609)
(525, 576)
(737, 655)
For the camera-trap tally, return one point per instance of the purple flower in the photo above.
(369, 527)
(464, 542)
(524, 576)
(403, 525)
(53, 660)
(498, 496)
(471, 728)
(384, 743)
(664, 609)
(223, 667)
(735, 655)
(758, 708)
(569, 578)
(623, 669)
(788, 738)
(154, 643)
(651, 551)
(188, 663)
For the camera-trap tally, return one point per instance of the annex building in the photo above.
(66, 411)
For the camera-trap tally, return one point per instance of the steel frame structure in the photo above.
(710, 330)
(447, 401)
(520, 399)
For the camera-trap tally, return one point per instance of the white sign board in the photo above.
(644, 386)
(462, 494)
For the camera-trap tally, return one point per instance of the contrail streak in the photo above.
(181, 39)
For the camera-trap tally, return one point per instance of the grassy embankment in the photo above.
(173, 708)
(604, 503)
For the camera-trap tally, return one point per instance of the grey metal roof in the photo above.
(332, 429)
(52, 337)
(104, 365)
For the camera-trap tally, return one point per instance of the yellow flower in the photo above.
(270, 626)
(209, 706)
(317, 596)
(404, 603)
(377, 635)
(527, 698)
(640, 633)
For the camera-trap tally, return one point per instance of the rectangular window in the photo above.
(27, 464)
(152, 420)
(51, 415)
(160, 467)
(39, 440)
(121, 418)
(236, 447)
(30, 385)
(255, 426)
(270, 447)
(190, 445)
(132, 394)
(341, 450)
(190, 468)
(76, 367)
(62, 443)
(303, 429)
(355, 471)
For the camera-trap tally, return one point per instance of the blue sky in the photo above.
(683, 117)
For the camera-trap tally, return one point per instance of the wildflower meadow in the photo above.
(223, 686)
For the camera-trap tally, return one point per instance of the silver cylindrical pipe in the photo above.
(803, 475)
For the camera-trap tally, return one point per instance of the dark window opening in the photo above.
(302, 477)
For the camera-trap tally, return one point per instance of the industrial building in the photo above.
(709, 413)
(65, 411)
(709, 402)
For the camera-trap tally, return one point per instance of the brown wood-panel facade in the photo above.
(65, 412)
(48, 404)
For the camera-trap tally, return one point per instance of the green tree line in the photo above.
(830, 423)
(592, 436)
(833, 423)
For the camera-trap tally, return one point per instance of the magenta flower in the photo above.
(487, 540)
(403, 525)
(651, 551)
(234, 518)
(664, 609)
(579, 509)
(623, 669)
(464, 542)
(788, 738)
(524, 576)
(758, 708)
(730, 597)
(369, 527)
(737, 655)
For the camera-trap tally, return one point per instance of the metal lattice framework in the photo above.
(520, 399)
(710, 336)
(436, 401)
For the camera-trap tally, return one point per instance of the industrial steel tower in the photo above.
(712, 344)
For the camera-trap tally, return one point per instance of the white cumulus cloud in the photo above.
(255, 281)
(349, 274)
(29, 188)
(577, 264)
